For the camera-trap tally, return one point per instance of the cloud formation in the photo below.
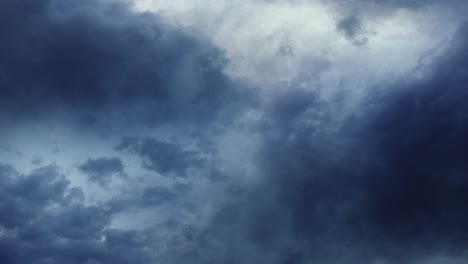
(279, 132)
(385, 187)
(100, 56)
(101, 170)
(162, 157)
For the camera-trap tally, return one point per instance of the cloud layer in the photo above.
(283, 132)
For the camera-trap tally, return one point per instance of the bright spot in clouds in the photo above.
(274, 44)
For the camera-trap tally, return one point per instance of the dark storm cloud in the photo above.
(43, 220)
(23, 197)
(102, 169)
(162, 156)
(394, 184)
(389, 186)
(421, 136)
(88, 56)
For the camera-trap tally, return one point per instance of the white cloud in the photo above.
(278, 44)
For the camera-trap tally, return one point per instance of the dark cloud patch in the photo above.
(421, 137)
(95, 56)
(23, 197)
(102, 169)
(164, 157)
(351, 27)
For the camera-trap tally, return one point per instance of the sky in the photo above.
(226, 132)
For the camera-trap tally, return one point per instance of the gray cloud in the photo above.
(101, 170)
(351, 27)
(162, 156)
(385, 187)
(93, 57)
(390, 186)
(157, 195)
(381, 182)
(42, 220)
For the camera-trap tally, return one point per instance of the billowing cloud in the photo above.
(154, 131)
(43, 220)
(387, 186)
(100, 56)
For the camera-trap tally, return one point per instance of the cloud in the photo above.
(280, 45)
(420, 138)
(350, 147)
(386, 184)
(43, 220)
(38, 212)
(79, 76)
(157, 195)
(102, 169)
(351, 28)
(99, 57)
(162, 156)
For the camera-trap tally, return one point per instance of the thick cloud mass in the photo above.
(422, 139)
(389, 185)
(43, 221)
(93, 55)
(128, 137)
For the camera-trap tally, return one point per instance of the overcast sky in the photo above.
(219, 131)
